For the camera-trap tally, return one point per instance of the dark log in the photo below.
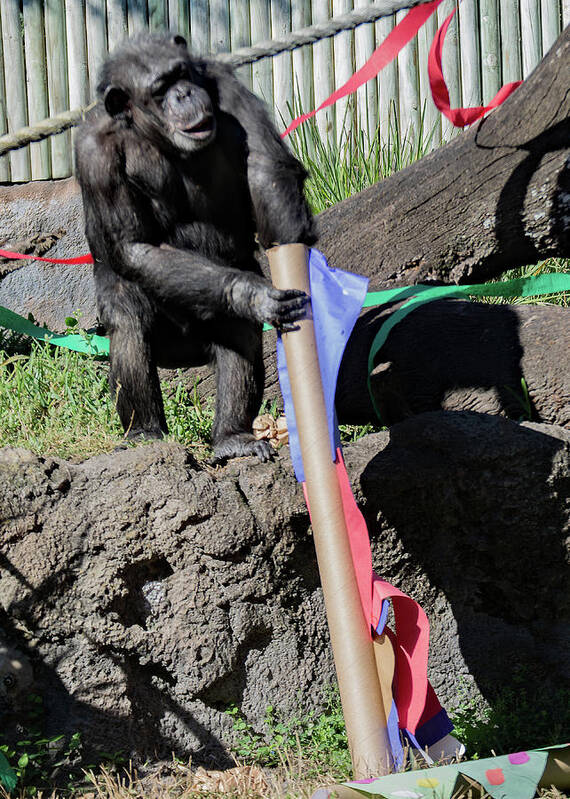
(461, 356)
(496, 197)
(451, 355)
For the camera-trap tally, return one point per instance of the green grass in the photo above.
(524, 714)
(320, 737)
(338, 170)
(57, 402)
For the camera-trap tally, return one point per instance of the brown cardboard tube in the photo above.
(353, 652)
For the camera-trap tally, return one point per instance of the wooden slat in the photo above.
(57, 84)
(199, 27)
(303, 92)
(388, 93)
(240, 34)
(117, 25)
(408, 87)
(262, 73)
(511, 56)
(96, 22)
(219, 27)
(367, 95)
(530, 35)
(565, 13)
(38, 108)
(15, 85)
(179, 17)
(550, 21)
(450, 65)
(490, 50)
(76, 53)
(77, 70)
(469, 51)
(158, 15)
(137, 16)
(429, 113)
(343, 69)
(282, 66)
(322, 76)
(4, 159)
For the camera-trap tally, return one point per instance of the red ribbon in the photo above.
(81, 259)
(396, 40)
(411, 642)
(457, 116)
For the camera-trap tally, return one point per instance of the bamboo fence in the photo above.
(50, 52)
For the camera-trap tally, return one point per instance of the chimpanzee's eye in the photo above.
(9, 681)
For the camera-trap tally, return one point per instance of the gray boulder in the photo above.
(152, 593)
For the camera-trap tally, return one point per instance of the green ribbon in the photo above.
(536, 286)
(92, 345)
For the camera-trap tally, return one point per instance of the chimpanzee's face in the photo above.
(160, 89)
(185, 105)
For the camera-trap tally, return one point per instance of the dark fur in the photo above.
(172, 209)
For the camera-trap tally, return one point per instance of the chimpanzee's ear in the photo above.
(116, 100)
(180, 41)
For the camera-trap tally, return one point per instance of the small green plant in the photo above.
(189, 420)
(523, 399)
(320, 739)
(349, 433)
(526, 713)
(73, 327)
(39, 761)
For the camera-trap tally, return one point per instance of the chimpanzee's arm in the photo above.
(275, 176)
(122, 232)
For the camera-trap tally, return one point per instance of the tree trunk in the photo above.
(452, 355)
(495, 198)
(461, 356)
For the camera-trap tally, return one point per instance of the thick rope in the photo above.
(245, 55)
(322, 30)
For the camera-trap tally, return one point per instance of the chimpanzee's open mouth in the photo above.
(202, 129)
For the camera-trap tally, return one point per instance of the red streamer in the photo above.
(81, 259)
(457, 116)
(396, 40)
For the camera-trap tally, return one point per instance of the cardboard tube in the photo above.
(353, 652)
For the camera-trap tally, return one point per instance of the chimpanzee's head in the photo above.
(153, 83)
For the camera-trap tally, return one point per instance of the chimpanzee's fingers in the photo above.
(286, 294)
(292, 305)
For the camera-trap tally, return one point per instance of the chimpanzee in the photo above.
(181, 170)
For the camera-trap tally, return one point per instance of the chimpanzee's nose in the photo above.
(183, 90)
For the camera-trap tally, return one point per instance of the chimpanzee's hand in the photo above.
(283, 308)
(253, 297)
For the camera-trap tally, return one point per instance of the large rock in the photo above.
(151, 593)
(45, 209)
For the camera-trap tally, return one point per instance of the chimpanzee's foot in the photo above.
(139, 435)
(239, 445)
(144, 434)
